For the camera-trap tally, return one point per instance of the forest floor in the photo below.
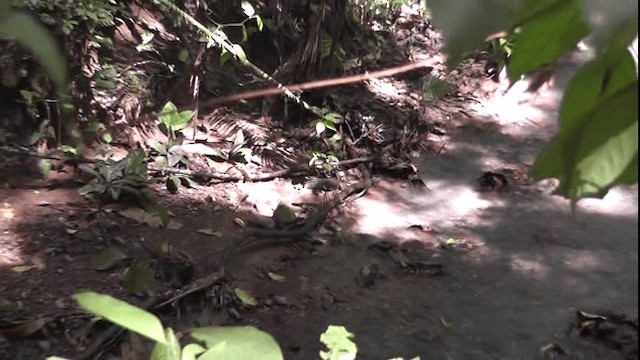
(443, 269)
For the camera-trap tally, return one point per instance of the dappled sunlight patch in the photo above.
(586, 260)
(378, 217)
(386, 88)
(529, 266)
(621, 200)
(455, 200)
(10, 252)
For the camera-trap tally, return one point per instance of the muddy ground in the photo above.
(443, 269)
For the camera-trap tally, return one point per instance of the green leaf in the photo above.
(245, 35)
(276, 277)
(69, 149)
(224, 57)
(601, 148)
(238, 343)
(172, 184)
(465, 24)
(174, 120)
(246, 298)
(330, 125)
(320, 128)
(30, 34)
(248, 9)
(607, 145)
(183, 55)
(338, 341)
(545, 37)
(169, 350)
(139, 279)
(157, 146)
(240, 54)
(190, 351)
(122, 314)
(106, 137)
(259, 22)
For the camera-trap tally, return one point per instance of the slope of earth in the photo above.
(439, 267)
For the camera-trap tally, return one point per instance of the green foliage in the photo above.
(173, 120)
(122, 314)
(69, 14)
(597, 144)
(327, 120)
(339, 344)
(112, 179)
(545, 37)
(233, 342)
(323, 161)
(238, 150)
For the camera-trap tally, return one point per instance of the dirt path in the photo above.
(446, 272)
(519, 266)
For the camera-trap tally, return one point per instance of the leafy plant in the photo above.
(112, 179)
(68, 14)
(500, 50)
(238, 150)
(339, 344)
(323, 161)
(327, 120)
(597, 143)
(231, 342)
(174, 120)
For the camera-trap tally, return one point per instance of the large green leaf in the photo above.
(168, 351)
(465, 24)
(123, 314)
(30, 34)
(606, 145)
(547, 36)
(601, 150)
(237, 342)
(533, 9)
(594, 81)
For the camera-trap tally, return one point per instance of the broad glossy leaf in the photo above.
(533, 9)
(123, 314)
(547, 36)
(190, 351)
(169, 350)
(630, 174)
(606, 146)
(237, 342)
